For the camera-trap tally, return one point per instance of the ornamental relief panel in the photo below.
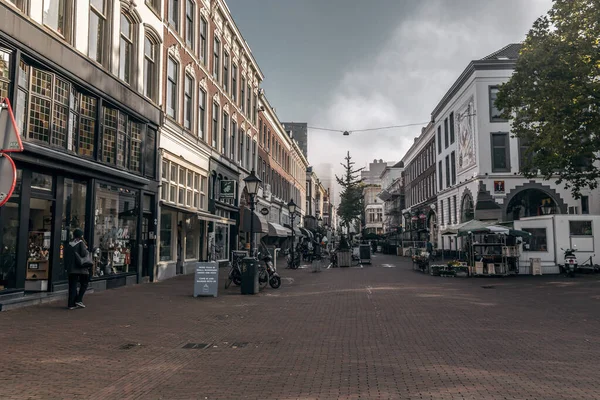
(205, 11)
(174, 52)
(203, 84)
(243, 126)
(226, 108)
(217, 98)
(189, 69)
(234, 116)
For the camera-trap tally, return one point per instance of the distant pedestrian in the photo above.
(75, 253)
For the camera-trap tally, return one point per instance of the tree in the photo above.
(351, 199)
(553, 95)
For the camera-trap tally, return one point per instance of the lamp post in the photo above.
(292, 208)
(252, 182)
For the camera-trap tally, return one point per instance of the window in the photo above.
(225, 128)
(525, 156)
(440, 175)
(241, 151)
(109, 135)
(192, 239)
(500, 152)
(154, 5)
(97, 45)
(538, 240)
(234, 72)
(254, 154)
(203, 186)
(495, 114)
(242, 91)
(172, 89)
(254, 112)
(166, 233)
(453, 166)
(248, 101)
(189, 23)
(126, 51)
(233, 144)
(452, 138)
(203, 33)
(216, 55)
(580, 228)
(443, 222)
(454, 209)
(439, 139)
(54, 15)
(150, 70)
(5, 58)
(174, 13)
(585, 205)
(188, 104)
(201, 114)
(215, 125)
(226, 72)
(248, 161)
(447, 171)
(446, 133)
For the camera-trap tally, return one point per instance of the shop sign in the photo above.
(206, 279)
(264, 211)
(227, 189)
(499, 187)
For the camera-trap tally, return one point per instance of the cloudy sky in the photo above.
(350, 64)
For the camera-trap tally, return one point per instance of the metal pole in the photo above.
(293, 259)
(252, 226)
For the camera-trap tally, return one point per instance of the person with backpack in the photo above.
(78, 262)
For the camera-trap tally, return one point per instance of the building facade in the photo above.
(420, 215)
(208, 139)
(299, 132)
(392, 195)
(86, 102)
(478, 161)
(373, 213)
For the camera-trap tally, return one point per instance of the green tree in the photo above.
(351, 198)
(552, 97)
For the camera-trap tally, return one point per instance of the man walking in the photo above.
(77, 251)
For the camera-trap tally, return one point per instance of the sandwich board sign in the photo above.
(206, 279)
(10, 140)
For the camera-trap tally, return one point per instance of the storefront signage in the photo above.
(498, 186)
(8, 178)
(264, 211)
(227, 189)
(206, 279)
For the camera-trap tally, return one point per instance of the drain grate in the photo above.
(199, 346)
(129, 346)
(488, 286)
(239, 345)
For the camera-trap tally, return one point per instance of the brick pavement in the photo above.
(358, 333)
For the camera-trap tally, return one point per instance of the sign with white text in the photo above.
(206, 279)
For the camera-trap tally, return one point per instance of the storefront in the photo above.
(224, 205)
(89, 163)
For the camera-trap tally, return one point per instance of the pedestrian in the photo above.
(75, 262)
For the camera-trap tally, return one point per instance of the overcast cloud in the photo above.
(390, 69)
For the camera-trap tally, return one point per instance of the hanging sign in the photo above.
(264, 211)
(8, 178)
(227, 189)
(10, 140)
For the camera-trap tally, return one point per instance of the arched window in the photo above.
(127, 51)
(151, 62)
(467, 210)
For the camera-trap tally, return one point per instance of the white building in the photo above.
(392, 195)
(478, 160)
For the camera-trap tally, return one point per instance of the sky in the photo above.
(349, 64)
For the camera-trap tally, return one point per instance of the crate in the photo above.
(535, 265)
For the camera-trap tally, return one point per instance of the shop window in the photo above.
(166, 236)
(220, 248)
(538, 240)
(5, 59)
(42, 182)
(39, 249)
(9, 221)
(580, 228)
(192, 237)
(136, 146)
(115, 230)
(109, 136)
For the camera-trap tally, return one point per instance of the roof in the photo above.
(399, 164)
(510, 52)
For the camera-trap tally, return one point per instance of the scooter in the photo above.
(570, 265)
(235, 273)
(272, 275)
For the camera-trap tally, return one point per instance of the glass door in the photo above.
(9, 233)
(39, 244)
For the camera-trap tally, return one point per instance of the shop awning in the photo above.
(298, 232)
(259, 221)
(306, 233)
(276, 230)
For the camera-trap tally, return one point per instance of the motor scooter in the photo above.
(273, 276)
(570, 266)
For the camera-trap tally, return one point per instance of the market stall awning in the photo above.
(260, 223)
(276, 230)
(465, 227)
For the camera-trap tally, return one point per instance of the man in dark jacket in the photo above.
(77, 274)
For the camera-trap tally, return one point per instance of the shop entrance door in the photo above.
(146, 220)
(148, 237)
(39, 244)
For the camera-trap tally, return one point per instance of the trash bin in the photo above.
(344, 258)
(249, 276)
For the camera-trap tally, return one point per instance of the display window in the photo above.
(73, 217)
(167, 219)
(192, 237)
(220, 248)
(115, 230)
(9, 221)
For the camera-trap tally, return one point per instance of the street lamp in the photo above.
(252, 182)
(292, 208)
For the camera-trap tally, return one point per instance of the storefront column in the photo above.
(23, 241)
(55, 239)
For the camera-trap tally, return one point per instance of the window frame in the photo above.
(491, 105)
(202, 96)
(439, 139)
(188, 102)
(174, 14)
(591, 227)
(203, 40)
(216, 56)
(453, 167)
(225, 80)
(446, 133)
(216, 116)
(132, 42)
(104, 46)
(234, 72)
(151, 89)
(172, 83)
(190, 24)
(506, 151)
(528, 240)
(225, 133)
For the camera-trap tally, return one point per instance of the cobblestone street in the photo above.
(378, 332)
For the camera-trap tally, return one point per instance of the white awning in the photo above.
(276, 230)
